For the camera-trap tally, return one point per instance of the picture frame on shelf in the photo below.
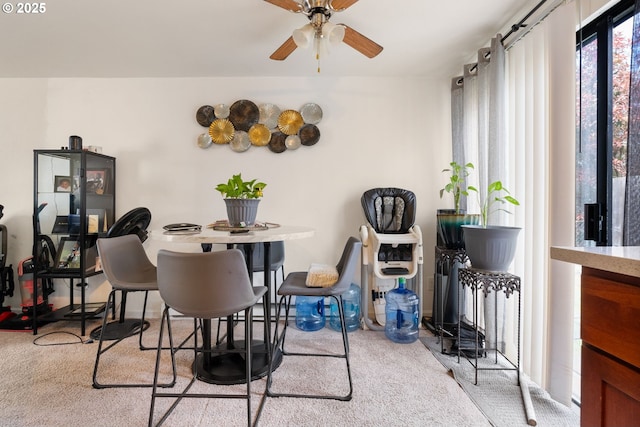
(97, 181)
(96, 221)
(62, 184)
(68, 254)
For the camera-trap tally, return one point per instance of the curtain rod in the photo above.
(516, 27)
(521, 24)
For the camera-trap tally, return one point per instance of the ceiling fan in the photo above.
(320, 31)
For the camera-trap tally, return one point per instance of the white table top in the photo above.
(616, 259)
(279, 233)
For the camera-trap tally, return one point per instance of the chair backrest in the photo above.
(347, 266)
(389, 210)
(125, 263)
(276, 253)
(206, 285)
(135, 222)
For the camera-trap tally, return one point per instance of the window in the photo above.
(603, 67)
(603, 58)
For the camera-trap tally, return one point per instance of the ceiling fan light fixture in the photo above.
(333, 33)
(303, 36)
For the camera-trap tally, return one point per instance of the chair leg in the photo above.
(275, 345)
(101, 351)
(248, 333)
(142, 322)
(345, 343)
(269, 349)
(184, 393)
(142, 328)
(279, 344)
(154, 393)
(287, 308)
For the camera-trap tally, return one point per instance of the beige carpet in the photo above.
(394, 385)
(498, 394)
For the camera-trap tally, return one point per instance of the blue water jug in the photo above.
(351, 304)
(310, 313)
(401, 312)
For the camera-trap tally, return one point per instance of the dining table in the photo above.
(229, 368)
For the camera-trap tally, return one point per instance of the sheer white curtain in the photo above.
(541, 76)
(528, 143)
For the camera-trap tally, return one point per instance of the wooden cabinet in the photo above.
(610, 332)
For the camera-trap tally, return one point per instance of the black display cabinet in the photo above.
(73, 205)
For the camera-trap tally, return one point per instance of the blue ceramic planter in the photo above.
(450, 227)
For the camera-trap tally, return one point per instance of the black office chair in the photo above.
(205, 286)
(295, 285)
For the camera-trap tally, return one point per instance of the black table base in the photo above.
(229, 368)
(119, 329)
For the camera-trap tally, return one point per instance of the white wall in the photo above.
(376, 132)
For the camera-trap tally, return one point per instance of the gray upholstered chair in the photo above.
(128, 269)
(276, 262)
(206, 286)
(295, 285)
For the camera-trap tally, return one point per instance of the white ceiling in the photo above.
(198, 38)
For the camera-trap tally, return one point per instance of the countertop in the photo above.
(616, 259)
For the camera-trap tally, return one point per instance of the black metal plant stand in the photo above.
(488, 282)
(445, 261)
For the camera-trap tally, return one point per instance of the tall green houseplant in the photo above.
(456, 185)
(451, 221)
(496, 193)
(491, 247)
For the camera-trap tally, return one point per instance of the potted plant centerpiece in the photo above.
(491, 247)
(241, 198)
(451, 220)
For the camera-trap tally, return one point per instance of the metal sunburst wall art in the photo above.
(245, 124)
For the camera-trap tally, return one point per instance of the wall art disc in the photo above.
(311, 113)
(259, 135)
(205, 115)
(221, 111)
(240, 141)
(244, 114)
(309, 134)
(292, 142)
(221, 131)
(276, 144)
(290, 122)
(204, 140)
(269, 114)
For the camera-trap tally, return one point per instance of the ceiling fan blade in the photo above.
(339, 5)
(362, 44)
(286, 4)
(284, 50)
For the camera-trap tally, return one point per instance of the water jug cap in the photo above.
(401, 282)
